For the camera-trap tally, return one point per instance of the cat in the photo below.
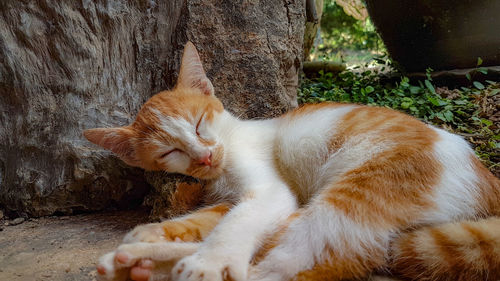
(325, 192)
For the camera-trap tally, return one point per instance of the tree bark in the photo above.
(66, 66)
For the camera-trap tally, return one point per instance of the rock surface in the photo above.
(66, 66)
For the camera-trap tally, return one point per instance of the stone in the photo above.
(16, 221)
(71, 65)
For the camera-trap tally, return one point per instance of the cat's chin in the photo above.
(205, 172)
(210, 173)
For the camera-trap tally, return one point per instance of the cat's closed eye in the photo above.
(198, 124)
(170, 152)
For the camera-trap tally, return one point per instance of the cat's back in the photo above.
(320, 143)
(320, 130)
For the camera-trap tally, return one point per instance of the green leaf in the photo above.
(429, 86)
(433, 100)
(448, 115)
(468, 76)
(494, 92)
(478, 85)
(483, 70)
(494, 144)
(415, 89)
(441, 116)
(405, 105)
(369, 89)
(479, 61)
(486, 122)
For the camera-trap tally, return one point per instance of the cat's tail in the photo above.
(459, 251)
(467, 250)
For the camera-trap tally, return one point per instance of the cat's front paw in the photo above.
(209, 268)
(108, 270)
(167, 231)
(142, 261)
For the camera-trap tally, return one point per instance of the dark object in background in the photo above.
(440, 34)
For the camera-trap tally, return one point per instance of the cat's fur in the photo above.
(320, 193)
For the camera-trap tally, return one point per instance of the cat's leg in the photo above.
(321, 244)
(227, 251)
(190, 228)
(344, 233)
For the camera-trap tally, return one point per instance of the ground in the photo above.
(61, 248)
(65, 248)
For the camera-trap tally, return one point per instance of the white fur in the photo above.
(456, 194)
(264, 199)
(302, 146)
(180, 128)
(303, 245)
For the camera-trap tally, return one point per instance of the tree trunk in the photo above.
(314, 7)
(66, 66)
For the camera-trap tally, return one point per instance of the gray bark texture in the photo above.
(66, 66)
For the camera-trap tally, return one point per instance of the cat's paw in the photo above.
(151, 233)
(122, 265)
(167, 231)
(126, 261)
(216, 268)
(142, 261)
(108, 270)
(181, 231)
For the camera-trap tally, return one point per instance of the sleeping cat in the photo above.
(326, 192)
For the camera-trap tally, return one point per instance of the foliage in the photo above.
(341, 31)
(459, 110)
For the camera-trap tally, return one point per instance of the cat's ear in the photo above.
(192, 74)
(118, 140)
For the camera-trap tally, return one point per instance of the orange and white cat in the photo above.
(325, 192)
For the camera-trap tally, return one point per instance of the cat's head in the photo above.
(175, 131)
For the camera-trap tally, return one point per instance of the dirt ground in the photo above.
(61, 248)
(66, 248)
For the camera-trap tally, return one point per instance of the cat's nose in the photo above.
(207, 159)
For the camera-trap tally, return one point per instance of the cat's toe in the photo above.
(125, 259)
(140, 274)
(107, 271)
(101, 270)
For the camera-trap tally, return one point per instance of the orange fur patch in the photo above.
(273, 240)
(398, 179)
(187, 197)
(450, 252)
(196, 226)
(342, 269)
